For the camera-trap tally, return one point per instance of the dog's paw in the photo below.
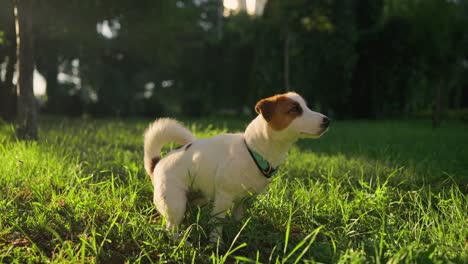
(179, 238)
(216, 239)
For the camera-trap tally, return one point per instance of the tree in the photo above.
(381, 78)
(440, 26)
(346, 57)
(27, 109)
(307, 46)
(438, 33)
(8, 95)
(62, 37)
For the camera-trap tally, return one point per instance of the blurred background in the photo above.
(349, 58)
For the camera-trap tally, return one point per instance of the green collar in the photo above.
(262, 164)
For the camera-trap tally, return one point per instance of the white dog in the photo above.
(226, 168)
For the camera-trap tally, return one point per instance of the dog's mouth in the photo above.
(307, 134)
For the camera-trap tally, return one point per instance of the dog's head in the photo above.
(288, 113)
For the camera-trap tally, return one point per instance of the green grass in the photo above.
(368, 191)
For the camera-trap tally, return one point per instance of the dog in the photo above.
(227, 168)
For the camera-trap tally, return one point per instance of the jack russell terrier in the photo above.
(227, 168)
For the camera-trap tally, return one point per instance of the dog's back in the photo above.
(204, 163)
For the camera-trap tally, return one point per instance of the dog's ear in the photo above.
(266, 107)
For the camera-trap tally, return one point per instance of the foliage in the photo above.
(323, 34)
(364, 59)
(436, 37)
(376, 195)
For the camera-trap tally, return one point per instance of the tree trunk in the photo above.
(437, 111)
(8, 96)
(52, 86)
(286, 60)
(219, 22)
(27, 108)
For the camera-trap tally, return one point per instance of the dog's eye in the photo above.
(295, 109)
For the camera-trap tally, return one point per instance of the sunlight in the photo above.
(231, 4)
(251, 6)
(108, 28)
(39, 84)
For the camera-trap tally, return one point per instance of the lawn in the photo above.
(368, 191)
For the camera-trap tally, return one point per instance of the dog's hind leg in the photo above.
(222, 204)
(172, 205)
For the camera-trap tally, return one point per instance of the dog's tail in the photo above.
(160, 132)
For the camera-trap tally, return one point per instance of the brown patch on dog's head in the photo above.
(279, 110)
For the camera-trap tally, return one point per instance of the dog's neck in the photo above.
(261, 138)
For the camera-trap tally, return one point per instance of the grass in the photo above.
(368, 191)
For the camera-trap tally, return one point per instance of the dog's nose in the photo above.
(325, 122)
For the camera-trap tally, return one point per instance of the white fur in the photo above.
(160, 132)
(220, 167)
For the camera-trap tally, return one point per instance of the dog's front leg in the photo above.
(239, 211)
(222, 204)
